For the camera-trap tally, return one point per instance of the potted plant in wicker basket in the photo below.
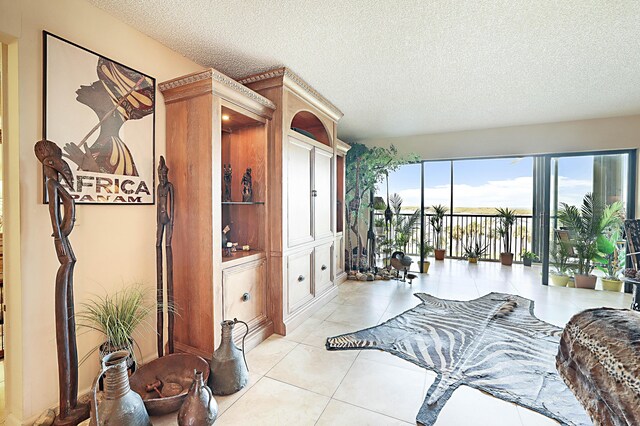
(427, 249)
(612, 263)
(437, 223)
(560, 262)
(507, 219)
(587, 227)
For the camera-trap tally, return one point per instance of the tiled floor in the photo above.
(295, 381)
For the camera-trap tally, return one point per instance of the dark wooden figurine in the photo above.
(62, 212)
(227, 182)
(247, 190)
(165, 222)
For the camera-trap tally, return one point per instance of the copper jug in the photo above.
(199, 407)
(121, 405)
(229, 370)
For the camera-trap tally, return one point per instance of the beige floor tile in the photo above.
(469, 406)
(393, 391)
(325, 311)
(271, 402)
(224, 402)
(303, 330)
(359, 316)
(387, 358)
(314, 369)
(370, 300)
(267, 354)
(339, 413)
(318, 337)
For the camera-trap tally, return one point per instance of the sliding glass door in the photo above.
(609, 176)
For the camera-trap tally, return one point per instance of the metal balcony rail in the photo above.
(460, 230)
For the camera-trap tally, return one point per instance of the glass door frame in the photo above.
(546, 208)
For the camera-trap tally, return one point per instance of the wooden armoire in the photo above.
(302, 182)
(285, 132)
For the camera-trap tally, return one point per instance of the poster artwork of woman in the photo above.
(119, 94)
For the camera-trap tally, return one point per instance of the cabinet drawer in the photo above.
(323, 267)
(243, 292)
(299, 278)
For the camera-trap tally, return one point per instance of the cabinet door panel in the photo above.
(322, 198)
(299, 165)
(299, 278)
(243, 292)
(322, 266)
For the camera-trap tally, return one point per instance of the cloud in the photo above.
(514, 193)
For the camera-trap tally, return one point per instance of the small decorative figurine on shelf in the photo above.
(227, 182)
(225, 238)
(62, 213)
(247, 190)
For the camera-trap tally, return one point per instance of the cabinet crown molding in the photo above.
(294, 82)
(224, 84)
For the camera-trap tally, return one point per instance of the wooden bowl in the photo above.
(174, 371)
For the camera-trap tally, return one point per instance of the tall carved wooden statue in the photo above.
(165, 222)
(62, 212)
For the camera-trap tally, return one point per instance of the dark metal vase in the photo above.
(121, 405)
(199, 407)
(229, 371)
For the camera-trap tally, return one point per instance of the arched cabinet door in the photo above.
(322, 194)
(299, 192)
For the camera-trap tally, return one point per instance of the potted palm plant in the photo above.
(472, 252)
(587, 227)
(612, 263)
(528, 258)
(507, 219)
(437, 223)
(427, 249)
(560, 262)
(118, 316)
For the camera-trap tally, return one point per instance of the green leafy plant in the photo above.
(474, 250)
(437, 224)
(529, 255)
(427, 249)
(588, 227)
(507, 219)
(559, 256)
(612, 262)
(379, 222)
(373, 164)
(118, 316)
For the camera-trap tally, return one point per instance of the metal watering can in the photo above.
(121, 405)
(229, 370)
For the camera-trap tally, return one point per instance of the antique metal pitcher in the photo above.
(121, 405)
(229, 370)
(199, 407)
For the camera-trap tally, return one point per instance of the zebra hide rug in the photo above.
(494, 344)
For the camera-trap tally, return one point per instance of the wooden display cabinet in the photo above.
(302, 196)
(213, 120)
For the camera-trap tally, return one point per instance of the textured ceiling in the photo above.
(411, 67)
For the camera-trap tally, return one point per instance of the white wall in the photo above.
(113, 244)
(570, 136)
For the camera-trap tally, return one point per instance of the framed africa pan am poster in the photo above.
(101, 114)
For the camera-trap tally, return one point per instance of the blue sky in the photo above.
(505, 182)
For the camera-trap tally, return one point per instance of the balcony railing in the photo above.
(466, 229)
